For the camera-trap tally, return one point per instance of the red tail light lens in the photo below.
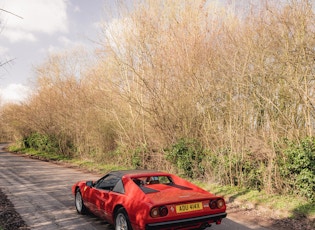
(163, 211)
(213, 204)
(159, 211)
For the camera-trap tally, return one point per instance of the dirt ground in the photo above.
(267, 218)
(9, 218)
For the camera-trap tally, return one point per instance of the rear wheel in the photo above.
(121, 220)
(79, 205)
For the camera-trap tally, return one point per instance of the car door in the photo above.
(88, 194)
(101, 194)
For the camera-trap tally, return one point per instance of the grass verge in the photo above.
(86, 164)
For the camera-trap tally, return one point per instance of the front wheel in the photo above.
(79, 205)
(122, 221)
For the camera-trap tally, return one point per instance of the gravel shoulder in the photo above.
(9, 218)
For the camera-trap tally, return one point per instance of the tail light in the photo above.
(163, 211)
(218, 203)
(159, 211)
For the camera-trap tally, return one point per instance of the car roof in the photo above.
(134, 172)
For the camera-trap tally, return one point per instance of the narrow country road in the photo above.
(41, 193)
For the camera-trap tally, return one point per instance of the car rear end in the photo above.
(180, 208)
(187, 215)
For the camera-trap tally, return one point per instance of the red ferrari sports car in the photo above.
(145, 199)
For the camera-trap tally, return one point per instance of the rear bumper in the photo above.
(186, 222)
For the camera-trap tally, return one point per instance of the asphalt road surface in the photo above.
(41, 194)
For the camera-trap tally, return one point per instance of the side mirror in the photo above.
(89, 183)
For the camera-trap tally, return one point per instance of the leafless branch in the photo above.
(6, 62)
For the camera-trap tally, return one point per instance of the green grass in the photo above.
(92, 166)
(87, 164)
(48, 156)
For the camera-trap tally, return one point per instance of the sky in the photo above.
(30, 30)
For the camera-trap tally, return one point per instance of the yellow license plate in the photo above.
(188, 207)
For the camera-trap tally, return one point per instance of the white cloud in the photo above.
(44, 16)
(65, 44)
(65, 41)
(14, 93)
(18, 35)
(3, 50)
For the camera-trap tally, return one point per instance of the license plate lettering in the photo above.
(188, 207)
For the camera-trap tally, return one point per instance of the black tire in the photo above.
(79, 204)
(122, 220)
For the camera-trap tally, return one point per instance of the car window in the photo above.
(107, 183)
(165, 180)
(119, 187)
(159, 180)
(142, 181)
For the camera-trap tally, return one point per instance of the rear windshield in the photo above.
(142, 181)
(146, 184)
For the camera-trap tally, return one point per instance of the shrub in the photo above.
(187, 155)
(298, 167)
(40, 142)
(61, 145)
